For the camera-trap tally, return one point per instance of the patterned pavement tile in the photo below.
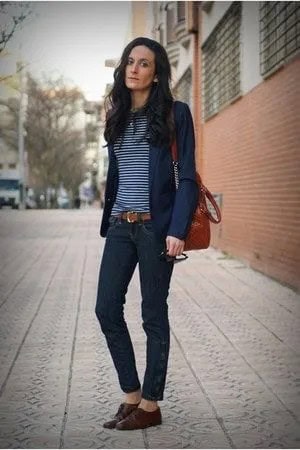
(233, 377)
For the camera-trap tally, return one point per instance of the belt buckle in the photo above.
(128, 217)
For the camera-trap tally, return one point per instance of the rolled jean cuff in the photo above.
(130, 390)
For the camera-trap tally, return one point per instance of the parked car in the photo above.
(10, 188)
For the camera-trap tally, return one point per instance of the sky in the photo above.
(73, 39)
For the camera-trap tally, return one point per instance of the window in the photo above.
(1, 166)
(221, 62)
(183, 90)
(12, 166)
(279, 34)
(170, 25)
(161, 34)
(180, 12)
(9, 185)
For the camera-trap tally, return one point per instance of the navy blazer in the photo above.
(171, 210)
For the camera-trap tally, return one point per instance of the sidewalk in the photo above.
(234, 370)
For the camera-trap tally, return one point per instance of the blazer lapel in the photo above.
(154, 153)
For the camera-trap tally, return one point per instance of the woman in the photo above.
(145, 220)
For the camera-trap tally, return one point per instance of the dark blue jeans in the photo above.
(126, 245)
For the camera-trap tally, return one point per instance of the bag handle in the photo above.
(210, 197)
(203, 189)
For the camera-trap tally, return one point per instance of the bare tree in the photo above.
(54, 141)
(9, 110)
(55, 137)
(12, 15)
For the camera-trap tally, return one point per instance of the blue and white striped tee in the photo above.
(132, 153)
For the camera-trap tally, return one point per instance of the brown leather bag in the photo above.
(199, 234)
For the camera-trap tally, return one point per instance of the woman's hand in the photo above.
(175, 246)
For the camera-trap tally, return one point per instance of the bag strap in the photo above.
(174, 150)
(203, 189)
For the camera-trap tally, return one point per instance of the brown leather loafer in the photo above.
(124, 410)
(140, 419)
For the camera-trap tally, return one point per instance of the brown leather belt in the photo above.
(132, 216)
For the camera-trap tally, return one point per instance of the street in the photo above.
(234, 367)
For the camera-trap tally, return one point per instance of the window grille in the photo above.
(221, 62)
(170, 25)
(183, 89)
(279, 34)
(180, 12)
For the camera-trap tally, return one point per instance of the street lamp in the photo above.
(21, 139)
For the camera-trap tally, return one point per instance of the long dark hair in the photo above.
(159, 104)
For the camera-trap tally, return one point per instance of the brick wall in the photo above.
(251, 155)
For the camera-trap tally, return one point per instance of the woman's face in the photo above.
(140, 69)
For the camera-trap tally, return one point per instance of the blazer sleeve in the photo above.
(186, 197)
(110, 191)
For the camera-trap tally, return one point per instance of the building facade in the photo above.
(237, 65)
(13, 105)
(250, 141)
